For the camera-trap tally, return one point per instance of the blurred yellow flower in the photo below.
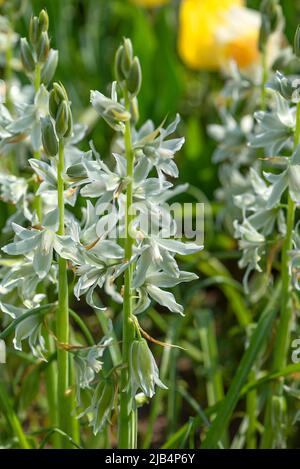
(212, 33)
(150, 3)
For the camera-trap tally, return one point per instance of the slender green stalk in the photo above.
(283, 334)
(127, 428)
(62, 315)
(51, 389)
(264, 79)
(12, 418)
(37, 154)
(8, 75)
(251, 399)
(51, 372)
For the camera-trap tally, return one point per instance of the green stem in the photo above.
(284, 326)
(51, 372)
(51, 388)
(264, 80)
(127, 428)
(62, 314)
(12, 418)
(8, 75)
(37, 154)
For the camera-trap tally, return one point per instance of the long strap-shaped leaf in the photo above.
(258, 339)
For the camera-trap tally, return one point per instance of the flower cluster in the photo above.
(110, 246)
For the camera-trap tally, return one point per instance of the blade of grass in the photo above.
(12, 418)
(257, 340)
(214, 382)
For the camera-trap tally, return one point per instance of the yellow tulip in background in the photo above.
(150, 3)
(212, 33)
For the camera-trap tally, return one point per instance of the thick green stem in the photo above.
(12, 418)
(127, 426)
(284, 326)
(62, 315)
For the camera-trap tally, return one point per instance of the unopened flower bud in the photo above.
(127, 56)
(26, 56)
(43, 21)
(34, 32)
(118, 65)
(134, 79)
(53, 103)
(43, 47)
(297, 42)
(62, 119)
(60, 91)
(49, 138)
(49, 67)
(70, 123)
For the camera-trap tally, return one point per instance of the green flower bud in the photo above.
(60, 92)
(134, 79)
(143, 369)
(43, 21)
(49, 68)
(127, 56)
(49, 138)
(297, 42)
(70, 124)
(62, 119)
(118, 65)
(43, 47)
(26, 56)
(53, 103)
(34, 32)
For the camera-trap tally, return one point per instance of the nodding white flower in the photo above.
(143, 369)
(214, 33)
